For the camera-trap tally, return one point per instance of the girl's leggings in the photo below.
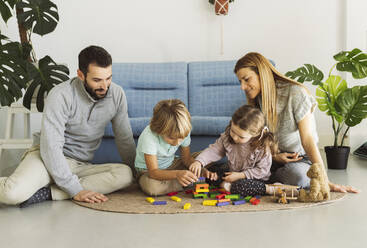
(244, 187)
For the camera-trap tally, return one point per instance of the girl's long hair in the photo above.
(252, 120)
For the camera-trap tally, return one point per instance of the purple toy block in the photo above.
(219, 204)
(239, 202)
(160, 203)
(201, 179)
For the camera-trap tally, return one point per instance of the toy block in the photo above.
(233, 197)
(219, 204)
(240, 202)
(221, 196)
(150, 199)
(224, 200)
(248, 198)
(210, 202)
(202, 195)
(189, 191)
(159, 202)
(257, 196)
(175, 198)
(255, 202)
(172, 193)
(202, 190)
(201, 179)
(213, 195)
(202, 186)
(187, 206)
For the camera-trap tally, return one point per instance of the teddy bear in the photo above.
(319, 185)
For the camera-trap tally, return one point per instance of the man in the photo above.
(73, 123)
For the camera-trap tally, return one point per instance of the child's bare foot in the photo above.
(226, 185)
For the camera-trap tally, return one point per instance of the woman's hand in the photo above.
(211, 175)
(186, 177)
(286, 157)
(233, 176)
(342, 188)
(196, 168)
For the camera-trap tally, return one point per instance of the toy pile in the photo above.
(221, 196)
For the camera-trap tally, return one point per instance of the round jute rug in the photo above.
(132, 200)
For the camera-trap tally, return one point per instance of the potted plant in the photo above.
(347, 106)
(19, 67)
(221, 6)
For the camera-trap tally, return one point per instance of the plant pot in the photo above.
(221, 7)
(337, 157)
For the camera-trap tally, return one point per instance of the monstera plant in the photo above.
(347, 106)
(20, 70)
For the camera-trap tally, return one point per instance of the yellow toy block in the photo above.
(150, 199)
(210, 202)
(187, 206)
(202, 190)
(175, 198)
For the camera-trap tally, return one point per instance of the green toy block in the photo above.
(214, 194)
(197, 196)
(248, 198)
(232, 197)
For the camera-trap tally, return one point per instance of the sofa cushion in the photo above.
(145, 84)
(209, 125)
(214, 92)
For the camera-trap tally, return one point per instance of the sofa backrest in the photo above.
(145, 84)
(214, 94)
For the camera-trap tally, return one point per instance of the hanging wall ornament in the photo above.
(221, 6)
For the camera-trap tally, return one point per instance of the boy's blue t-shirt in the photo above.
(154, 144)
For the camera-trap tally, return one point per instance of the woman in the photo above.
(288, 108)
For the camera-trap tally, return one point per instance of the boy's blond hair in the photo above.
(171, 118)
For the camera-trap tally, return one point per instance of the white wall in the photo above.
(357, 37)
(289, 32)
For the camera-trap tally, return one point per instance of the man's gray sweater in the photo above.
(73, 125)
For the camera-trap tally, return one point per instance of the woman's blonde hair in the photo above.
(268, 76)
(171, 118)
(252, 120)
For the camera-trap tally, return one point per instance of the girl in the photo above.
(288, 108)
(248, 145)
(158, 171)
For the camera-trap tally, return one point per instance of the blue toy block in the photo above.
(240, 202)
(160, 203)
(257, 196)
(219, 204)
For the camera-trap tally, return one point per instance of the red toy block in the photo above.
(189, 191)
(255, 202)
(172, 193)
(221, 196)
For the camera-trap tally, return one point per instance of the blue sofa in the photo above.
(210, 90)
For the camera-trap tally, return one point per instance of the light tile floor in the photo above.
(64, 224)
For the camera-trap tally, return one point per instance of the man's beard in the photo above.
(93, 93)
